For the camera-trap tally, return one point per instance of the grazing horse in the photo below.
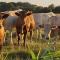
(2, 31)
(24, 23)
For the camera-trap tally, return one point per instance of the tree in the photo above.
(45, 10)
(3, 6)
(38, 9)
(27, 6)
(57, 9)
(51, 7)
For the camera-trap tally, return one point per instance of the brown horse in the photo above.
(2, 31)
(26, 23)
(1, 34)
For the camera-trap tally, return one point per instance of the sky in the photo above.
(37, 2)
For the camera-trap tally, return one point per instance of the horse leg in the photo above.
(0, 47)
(4, 37)
(1, 44)
(37, 33)
(11, 39)
(25, 34)
(31, 35)
(18, 38)
(49, 35)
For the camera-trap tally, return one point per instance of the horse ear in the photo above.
(5, 16)
(28, 14)
(18, 14)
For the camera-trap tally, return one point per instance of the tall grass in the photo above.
(35, 50)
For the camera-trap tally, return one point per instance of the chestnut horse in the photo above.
(2, 31)
(24, 23)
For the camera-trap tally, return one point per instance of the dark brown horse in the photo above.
(26, 23)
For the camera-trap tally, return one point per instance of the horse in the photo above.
(2, 30)
(9, 24)
(24, 23)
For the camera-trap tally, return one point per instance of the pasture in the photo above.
(37, 49)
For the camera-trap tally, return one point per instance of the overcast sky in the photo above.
(37, 2)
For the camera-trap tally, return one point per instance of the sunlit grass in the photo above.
(32, 51)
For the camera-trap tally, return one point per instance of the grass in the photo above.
(35, 50)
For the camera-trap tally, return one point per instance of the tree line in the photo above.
(27, 6)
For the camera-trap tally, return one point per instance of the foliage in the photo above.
(46, 54)
(27, 6)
